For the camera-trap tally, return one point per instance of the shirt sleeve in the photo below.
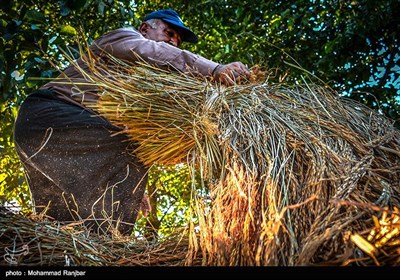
(128, 44)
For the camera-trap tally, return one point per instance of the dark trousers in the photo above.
(76, 166)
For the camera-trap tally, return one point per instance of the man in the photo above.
(76, 166)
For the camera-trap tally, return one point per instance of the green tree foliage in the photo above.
(171, 190)
(352, 46)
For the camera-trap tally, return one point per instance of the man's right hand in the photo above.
(232, 73)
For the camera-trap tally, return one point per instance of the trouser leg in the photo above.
(81, 168)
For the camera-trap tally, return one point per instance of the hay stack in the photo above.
(296, 175)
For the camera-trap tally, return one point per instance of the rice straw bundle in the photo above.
(296, 174)
(168, 139)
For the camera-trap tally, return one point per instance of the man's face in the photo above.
(161, 32)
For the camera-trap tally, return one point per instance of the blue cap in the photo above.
(170, 16)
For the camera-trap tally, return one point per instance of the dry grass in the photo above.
(297, 175)
(38, 241)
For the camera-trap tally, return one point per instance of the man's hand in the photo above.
(232, 73)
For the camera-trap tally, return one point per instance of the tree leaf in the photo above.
(68, 30)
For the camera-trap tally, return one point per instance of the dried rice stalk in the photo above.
(35, 241)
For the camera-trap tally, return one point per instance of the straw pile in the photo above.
(296, 175)
(37, 241)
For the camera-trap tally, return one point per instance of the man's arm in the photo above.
(128, 44)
